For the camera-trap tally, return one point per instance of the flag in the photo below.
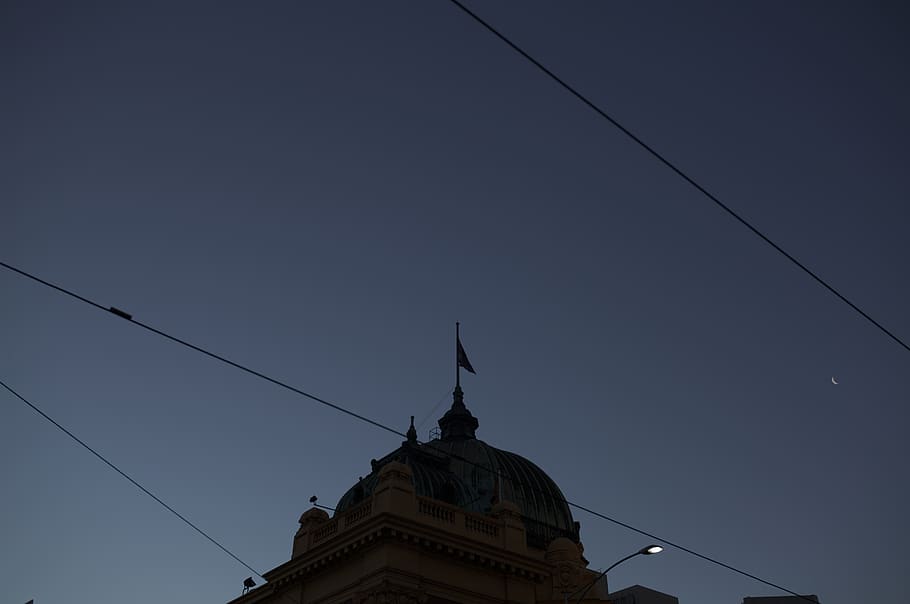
(463, 358)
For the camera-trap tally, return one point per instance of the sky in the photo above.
(320, 190)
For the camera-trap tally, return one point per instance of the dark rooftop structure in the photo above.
(638, 594)
(462, 470)
(780, 599)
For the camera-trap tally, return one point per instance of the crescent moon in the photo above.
(833, 381)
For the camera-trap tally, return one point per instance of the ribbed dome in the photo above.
(461, 470)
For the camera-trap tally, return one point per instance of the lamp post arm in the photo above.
(604, 573)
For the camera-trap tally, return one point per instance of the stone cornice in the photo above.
(394, 516)
(391, 528)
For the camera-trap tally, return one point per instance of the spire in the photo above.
(458, 423)
(412, 432)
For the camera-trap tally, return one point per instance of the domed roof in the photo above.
(462, 470)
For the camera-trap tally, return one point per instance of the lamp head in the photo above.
(248, 582)
(651, 549)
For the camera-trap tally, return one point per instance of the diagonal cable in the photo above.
(574, 92)
(129, 478)
(126, 316)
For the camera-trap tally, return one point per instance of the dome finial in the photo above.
(458, 398)
(412, 432)
(458, 421)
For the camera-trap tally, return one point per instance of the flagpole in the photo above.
(457, 365)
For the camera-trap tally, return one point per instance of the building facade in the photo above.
(450, 520)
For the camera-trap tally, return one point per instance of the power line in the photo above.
(441, 400)
(631, 528)
(128, 317)
(136, 484)
(675, 169)
(129, 478)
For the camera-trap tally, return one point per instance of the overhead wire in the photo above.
(430, 413)
(679, 172)
(142, 488)
(132, 480)
(127, 317)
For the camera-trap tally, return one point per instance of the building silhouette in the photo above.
(780, 599)
(638, 594)
(450, 520)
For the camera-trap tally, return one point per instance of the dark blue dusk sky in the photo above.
(320, 190)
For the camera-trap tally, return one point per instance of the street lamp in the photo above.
(645, 551)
